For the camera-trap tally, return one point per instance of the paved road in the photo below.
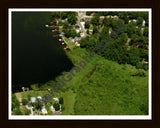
(81, 15)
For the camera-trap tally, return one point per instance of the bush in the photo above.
(17, 112)
(62, 107)
(29, 97)
(61, 100)
(26, 111)
(35, 87)
(15, 102)
(146, 67)
(139, 65)
(56, 106)
(24, 101)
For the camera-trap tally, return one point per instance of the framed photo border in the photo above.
(5, 5)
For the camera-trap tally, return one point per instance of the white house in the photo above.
(44, 111)
(46, 25)
(134, 20)
(56, 99)
(52, 108)
(39, 97)
(143, 23)
(83, 23)
(110, 32)
(33, 99)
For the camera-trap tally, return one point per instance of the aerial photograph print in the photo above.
(79, 63)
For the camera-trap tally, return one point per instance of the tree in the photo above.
(17, 111)
(139, 21)
(139, 65)
(146, 67)
(95, 20)
(95, 30)
(65, 25)
(35, 87)
(88, 13)
(56, 106)
(134, 60)
(145, 33)
(87, 31)
(61, 100)
(26, 111)
(62, 107)
(15, 102)
(87, 24)
(78, 34)
(73, 33)
(24, 101)
(72, 20)
(29, 97)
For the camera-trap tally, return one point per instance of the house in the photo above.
(39, 97)
(90, 31)
(77, 31)
(110, 32)
(143, 23)
(77, 43)
(62, 33)
(23, 89)
(87, 18)
(52, 108)
(56, 99)
(134, 20)
(33, 99)
(100, 20)
(77, 27)
(46, 25)
(27, 89)
(101, 17)
(83, 23)
(44, 111)
(114, 17)
(93, 13)
(70, 27)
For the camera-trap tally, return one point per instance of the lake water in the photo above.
(37, 56)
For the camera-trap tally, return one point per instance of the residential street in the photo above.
(81, 15)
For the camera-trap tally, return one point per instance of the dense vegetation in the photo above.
(127, 42)
(106, 88)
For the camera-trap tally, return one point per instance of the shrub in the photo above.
(139, 65)
(24, 101)
(61, 100)
(146, 67)
(56, 106)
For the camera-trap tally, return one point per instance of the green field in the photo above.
(105, 87)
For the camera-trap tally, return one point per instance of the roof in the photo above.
(43, 108)
(62, 33)
(56, 99)
(52, 107)
(69, 27)
(87, 19)
(77, 27)
(39, 97)
(33, 99)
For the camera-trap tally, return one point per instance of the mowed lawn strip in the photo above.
(69, 100)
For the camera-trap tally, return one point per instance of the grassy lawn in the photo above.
(69, 99)
(18, 95)
(34, 93)
(71, 44)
